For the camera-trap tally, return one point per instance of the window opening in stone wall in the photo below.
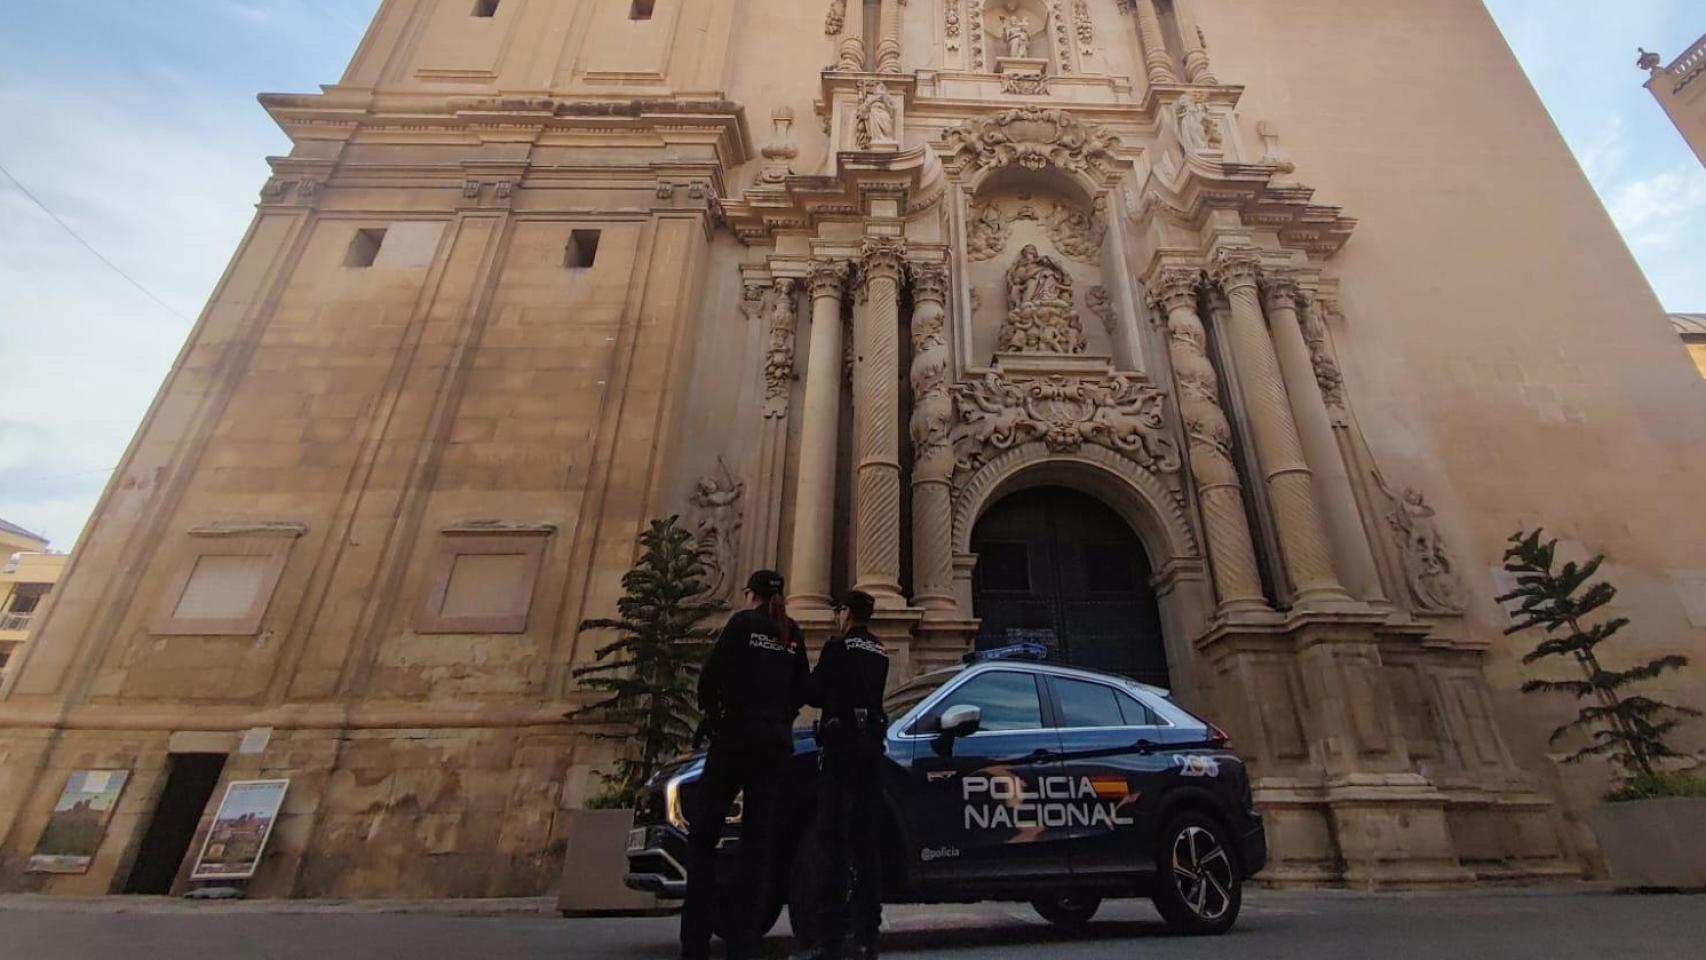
(485, 8)
(364, 249)
(27, 596)
(641, 10)
(583, 249)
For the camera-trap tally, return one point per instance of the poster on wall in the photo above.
(79, 821)
(240, 830)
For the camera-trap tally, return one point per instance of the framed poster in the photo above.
(79, 821)
(240, 830)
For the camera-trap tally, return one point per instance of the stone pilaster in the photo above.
(876, 433)
(888, 37)
(820, 428)
(1303, 539)
(1197, 69)
(1350, 541)
(1156, 60)
(933, 456)
(777, 311)
(1232, 556)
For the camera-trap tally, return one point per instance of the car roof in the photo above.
(1039, 666)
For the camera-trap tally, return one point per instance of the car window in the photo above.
(1086, 704)
(897, 703)
(1008, 700)
(1136, 714)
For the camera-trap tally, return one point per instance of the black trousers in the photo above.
(849, 822)
(750, 757)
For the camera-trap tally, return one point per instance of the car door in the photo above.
(1114, 761)
(972, 807)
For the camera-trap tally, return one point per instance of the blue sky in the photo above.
(141, 131)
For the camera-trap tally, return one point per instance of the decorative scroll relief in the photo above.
(1429, 569)
(1086, 27)
(1027, 83)
(1033, 138)
(836, 18)
(1040, 315)
(951, 26)
(779, 312)
(997, 414)
(1327, 373)
(717, 519)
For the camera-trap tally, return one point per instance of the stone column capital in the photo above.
(1237, 269)
(882, 258)
(828, 278)
(1282, 290)
(929, 282)
(1175, 288)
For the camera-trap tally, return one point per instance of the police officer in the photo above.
(848, 685)
(750, 691)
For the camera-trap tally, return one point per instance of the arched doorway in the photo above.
(1061, 568)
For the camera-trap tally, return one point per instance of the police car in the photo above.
(1009, 778)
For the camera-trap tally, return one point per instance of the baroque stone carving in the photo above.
(836, 18)
(1124, 415)
(1428, 567)
(1024, 82)
(1016, 33)
(1033, 138)
(1077, 234)
(1040, 317)
(987, 234)
(1062, 34)
(977, 34)
(717, 507)
(1086, 27)
(780, 152)
(779, 313)
(1198, 130)
(876, 121)
(932, 406)
(1327, 372)
(951, 26)
(1102, 305)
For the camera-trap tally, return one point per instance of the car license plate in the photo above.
(636, 840)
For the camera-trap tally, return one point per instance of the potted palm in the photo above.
(644, 685)
(1649, 825)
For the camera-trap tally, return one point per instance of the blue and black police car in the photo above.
(1009, 778)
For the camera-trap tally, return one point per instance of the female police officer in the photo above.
(752, 687)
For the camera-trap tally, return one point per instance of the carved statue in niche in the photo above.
(779, 313)
(876, 121)
(1198, 130)
(1016, 31)
(1101, 304)
(1040, 318)
(716, 501)
(987, 234)
(1428, 567)
(1077, 234)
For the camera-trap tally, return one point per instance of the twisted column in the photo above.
(1232, 554)
(820, 430)
(933, 463)
(1320, 444)
(876, 391)
(1155, 56)
(1197, 68)
(888, 37)
(1291, 490)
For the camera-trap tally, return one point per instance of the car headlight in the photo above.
(674, 812)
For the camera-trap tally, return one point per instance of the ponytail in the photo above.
(776, 608)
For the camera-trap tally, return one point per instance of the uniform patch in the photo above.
(866, 646)
(764, 641)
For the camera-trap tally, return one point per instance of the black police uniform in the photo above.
(752, 688)
(848, 684)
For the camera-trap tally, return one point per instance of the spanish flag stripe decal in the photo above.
(1109, 786)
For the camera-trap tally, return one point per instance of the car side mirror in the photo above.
(961, 721)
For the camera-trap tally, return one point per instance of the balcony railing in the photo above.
(15, 621)
(1690, 65)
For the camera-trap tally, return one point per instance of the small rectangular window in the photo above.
(641, 10)
(364, 249)
(485, 8)
(582, 251)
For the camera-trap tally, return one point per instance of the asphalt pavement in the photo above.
(1552, 924)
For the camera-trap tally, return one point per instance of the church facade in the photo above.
(1221, 343)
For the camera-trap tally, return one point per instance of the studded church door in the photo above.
(1058, 567)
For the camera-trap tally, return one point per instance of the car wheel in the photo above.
(1200, 888)
(805, 889)
(1068, 912)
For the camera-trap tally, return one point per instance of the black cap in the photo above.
(765, 584)
(858, 604)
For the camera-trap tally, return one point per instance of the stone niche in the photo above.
(1036, 260)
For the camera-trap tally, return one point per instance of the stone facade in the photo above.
(1679, 90)
(1312, 296)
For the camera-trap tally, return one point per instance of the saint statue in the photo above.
(1198, 131)
(1040, 318)
(1016, 29)
(1427, 563)
(876, 116)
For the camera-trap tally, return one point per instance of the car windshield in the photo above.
(897, 703)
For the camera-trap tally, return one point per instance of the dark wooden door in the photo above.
(1060, 568)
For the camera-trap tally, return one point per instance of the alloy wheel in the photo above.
(1202, 873)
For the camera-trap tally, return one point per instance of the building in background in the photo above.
(27, 573)
(1681, 90)
(1691, 327)
(1028, 317)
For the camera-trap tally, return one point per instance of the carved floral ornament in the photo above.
(1118, 413)
(1033, 138)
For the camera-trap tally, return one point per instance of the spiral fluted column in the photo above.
(820, 430)
(1156, 59)
(1303, 539)
(1231, 552)
(933, 456)
(888, 37)
(876, 389)
(1197, 69)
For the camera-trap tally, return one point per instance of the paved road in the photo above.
(1521, 924)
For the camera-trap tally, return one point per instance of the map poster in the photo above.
(79, 821)
(240, 830)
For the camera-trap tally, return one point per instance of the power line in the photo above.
(90, 247)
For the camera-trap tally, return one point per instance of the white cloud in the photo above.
(1662, 210)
